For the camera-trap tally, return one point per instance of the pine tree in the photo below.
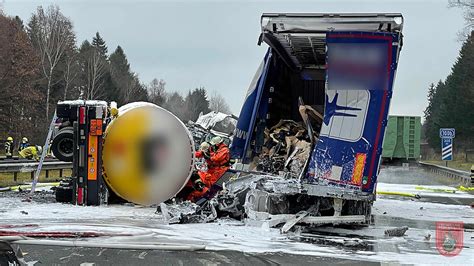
(196, 102)
(118, 62)
(459, 101)
(451, 102)
(128, 87)
(99, 43)
(174, 103)
(119, 72)
(19, 22)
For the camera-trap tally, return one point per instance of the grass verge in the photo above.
(460, 165)
(6, 179)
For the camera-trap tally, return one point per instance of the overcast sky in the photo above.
(213, 43)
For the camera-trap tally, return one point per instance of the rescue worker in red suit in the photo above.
(203, 152)
(217, 160)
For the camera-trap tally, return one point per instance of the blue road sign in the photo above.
(447, 149)
(447, 133)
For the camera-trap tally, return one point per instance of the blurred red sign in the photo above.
(449, 238)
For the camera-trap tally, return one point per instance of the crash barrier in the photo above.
(458, 175)
(23, 166)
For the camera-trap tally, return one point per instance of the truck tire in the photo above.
(63, 144)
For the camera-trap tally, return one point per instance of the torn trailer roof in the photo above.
(300, 38)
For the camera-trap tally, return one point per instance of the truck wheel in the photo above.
(63, 144)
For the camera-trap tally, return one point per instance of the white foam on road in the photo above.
(145, 227)
(424, 211)
(13, 208)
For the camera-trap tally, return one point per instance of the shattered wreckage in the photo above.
(308, 140)
(305, 149)
(210, 125)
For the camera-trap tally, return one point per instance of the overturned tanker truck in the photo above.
(139, 153)
(309, 135)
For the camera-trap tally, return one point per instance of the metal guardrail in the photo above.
(16, 159)
(462, 176)
(25, 166)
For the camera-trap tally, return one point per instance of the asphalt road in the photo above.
(233, 243)
(50, 255)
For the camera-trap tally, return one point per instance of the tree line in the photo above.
(451, 102)
(41, 63)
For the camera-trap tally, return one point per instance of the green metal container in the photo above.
(402, 138)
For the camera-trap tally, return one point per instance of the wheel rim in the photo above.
(65, 147)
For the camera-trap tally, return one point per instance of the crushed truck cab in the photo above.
(331, 77)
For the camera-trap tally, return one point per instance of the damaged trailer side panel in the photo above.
(339, 65)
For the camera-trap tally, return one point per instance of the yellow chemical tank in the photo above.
(148, 154)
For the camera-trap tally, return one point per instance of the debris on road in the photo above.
(398, 232)
(402, 194)
(428, 237)
(435, 189)
(292, 222)
(187, 212)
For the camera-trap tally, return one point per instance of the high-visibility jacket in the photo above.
(9, 148)
(29, 153)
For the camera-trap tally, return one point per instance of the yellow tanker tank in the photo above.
(148, 154)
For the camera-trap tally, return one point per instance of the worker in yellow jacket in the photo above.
(9, 147)
(31, 152)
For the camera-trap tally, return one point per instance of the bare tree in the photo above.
(51, 33)
(218, 104)
(71, 72)
(468, 7)
(156, 91)
(95, 71)
(131, 86)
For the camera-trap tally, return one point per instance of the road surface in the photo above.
(230, 241)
